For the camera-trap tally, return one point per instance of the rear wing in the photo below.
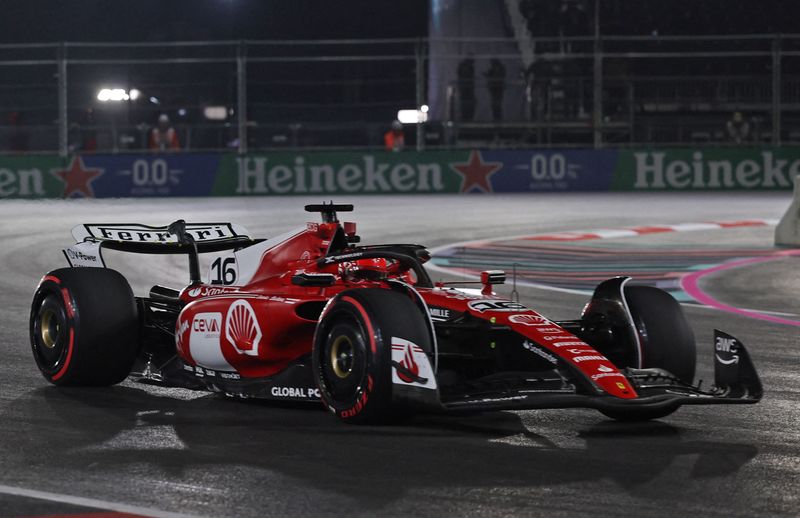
(177, 238)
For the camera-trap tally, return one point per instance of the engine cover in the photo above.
(254, 336)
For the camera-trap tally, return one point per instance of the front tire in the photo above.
(666, 337)
(667, 342)
(352, 352)
(84, 327)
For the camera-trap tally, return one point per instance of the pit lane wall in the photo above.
(368, 172)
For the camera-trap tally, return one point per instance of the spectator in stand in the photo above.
(738, 129)
(394, 139)
(163, 137)
(534, 89)
(495, 78)
(573, 21)
(88, 132)
(466, 88)
(18, 138)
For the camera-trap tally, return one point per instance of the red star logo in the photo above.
(78, 178)
(476, 172)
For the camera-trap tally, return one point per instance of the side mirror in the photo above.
(490, 278)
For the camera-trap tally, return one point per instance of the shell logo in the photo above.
(528, 320)
(241, 328)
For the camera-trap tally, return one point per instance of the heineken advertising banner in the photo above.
(707, 169)
(105, 176)
(335, 173)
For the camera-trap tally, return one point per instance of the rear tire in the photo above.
(667, 342)
(84, 327)
(352, 353)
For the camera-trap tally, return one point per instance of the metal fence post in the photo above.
(776, 91)
(597, 95)
(62, 100)
(241, 96)
(419, 56)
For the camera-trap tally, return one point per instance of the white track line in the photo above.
(89, 502)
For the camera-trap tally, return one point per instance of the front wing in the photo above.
(735, 382)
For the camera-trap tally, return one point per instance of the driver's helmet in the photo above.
(373, 269)
(378, 264)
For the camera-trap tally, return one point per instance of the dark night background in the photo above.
(160, 20)
(157, 20)
(331, 99)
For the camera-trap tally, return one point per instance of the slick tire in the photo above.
(84, 327)
(352, 353)
(666, 338)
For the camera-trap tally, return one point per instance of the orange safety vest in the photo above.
(164, 141)
(394, 141)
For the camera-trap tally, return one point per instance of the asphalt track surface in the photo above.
(158, 452)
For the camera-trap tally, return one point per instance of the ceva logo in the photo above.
(205, 325)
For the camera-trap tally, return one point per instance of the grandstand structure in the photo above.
(508, 73)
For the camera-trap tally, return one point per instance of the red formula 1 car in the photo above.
(311, 315)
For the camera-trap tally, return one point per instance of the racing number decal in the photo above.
(223, 271)
(495, 305)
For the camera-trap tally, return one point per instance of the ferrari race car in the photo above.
(311, 315)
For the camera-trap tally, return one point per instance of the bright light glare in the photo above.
(112, 94)
(134, 94)
(412, 116)
(215, 113)
(423, 108)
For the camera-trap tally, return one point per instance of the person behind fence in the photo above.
(466, 88)
(738, 128)
(88, 132)
(495, 78)
(163, 137)
(394, 139)
(18, 136)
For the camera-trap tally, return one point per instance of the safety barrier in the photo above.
(368, 172)
(787, 232)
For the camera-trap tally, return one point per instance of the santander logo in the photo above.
(409, 363)
(241, 328)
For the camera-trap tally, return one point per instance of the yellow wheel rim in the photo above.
(49, 328)
(342, 356)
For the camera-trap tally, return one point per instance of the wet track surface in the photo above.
(144, 450)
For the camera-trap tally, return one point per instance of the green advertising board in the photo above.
(30, 177)
(409, 172)
(339, 173)
(702, 169)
